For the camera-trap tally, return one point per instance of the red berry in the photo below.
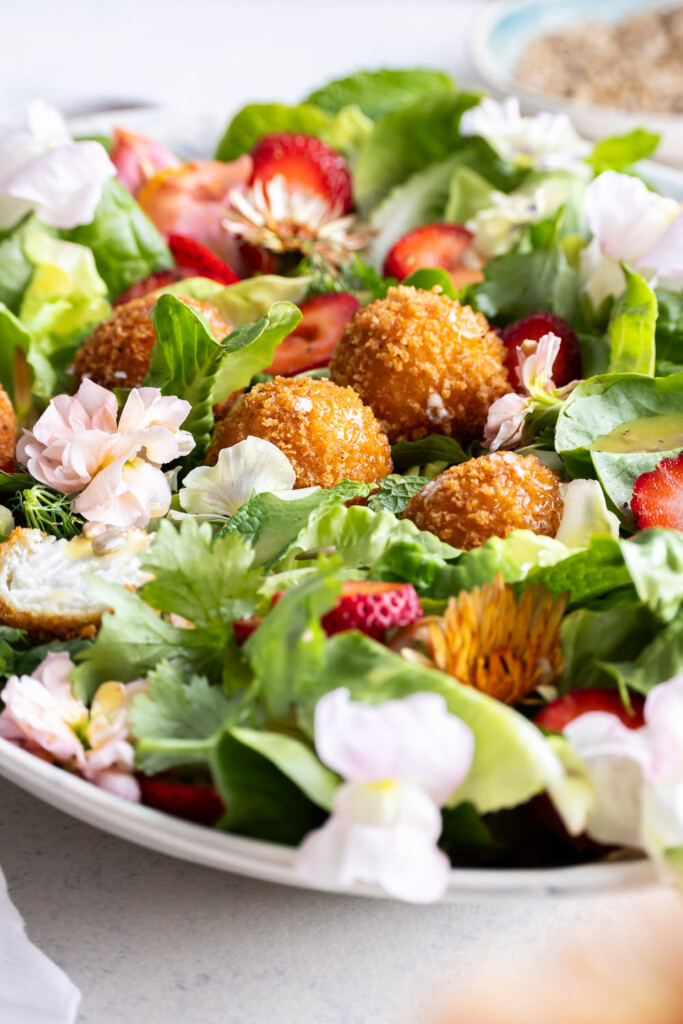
(658, 496)
(373, 608)
(567, 365)
(190, 254)
(307, 164)
(198, 801)
(312, 342)
(243, 628)
(161, 279)
(435, 245)
(559, 713)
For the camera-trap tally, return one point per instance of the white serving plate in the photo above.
(272, 863)
(503, 32)
(194, 135)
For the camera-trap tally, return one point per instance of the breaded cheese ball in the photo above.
(42, 578)
(325, 431)
(117, 353)
(424, 363)
(8, 427)
(489, 497)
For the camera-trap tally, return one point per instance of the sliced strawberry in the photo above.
(161, 279)
(658, 496)
(567, 365)
(193, 801)
(447, 246)
(311, 344)
(192, 255)
(257, 259)
(307, 164)
(243, 628)
(373, 608)
(559, 713)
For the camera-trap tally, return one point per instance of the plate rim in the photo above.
(271, 862)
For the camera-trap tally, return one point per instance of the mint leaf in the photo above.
(435, 448)
(395, 492)
(521, 283)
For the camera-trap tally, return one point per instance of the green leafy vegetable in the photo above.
(632, 328)
(654, 559)
(344, 130)
(622, 151)
(408, 140)
(593, 636)
(250, 348)
(378, 92)
(435, 448)
(585, 575)
(395, 492)
(47, 510)
(125, 244)
(15, 342)
(185, 362)
(16, 270)
(521, 283)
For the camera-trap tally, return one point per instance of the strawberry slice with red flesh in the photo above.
(192, 255)
(658, 496)
(559, 713)
(315, 337)
(567, 365)
(161, 279)
(373, 608)
(307, 165)
(434, 245)
(197, 802)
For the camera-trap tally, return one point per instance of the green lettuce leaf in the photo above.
(250, 348)
(617, 629)
(343, 130)
(435, 448)
(622, 151)
(518, 284)
(654, 559)
(660, 661)
(245, 301)
(16, 270)
(585, 575)
(408, 140)
(15, 342)
(185, 362)
(669, 333)
(378, 92)
(632, 328)
(125, 244)
(294, 759)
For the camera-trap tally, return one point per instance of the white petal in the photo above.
(625, 217)
(585, 514)
(415, 739)
(666, 255)
(252, 466)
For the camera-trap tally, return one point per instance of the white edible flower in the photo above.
(42, 169)
(637, 775)
(252, 466)
(629, 222)
(401, 761)
(498, 227)
(546, 141)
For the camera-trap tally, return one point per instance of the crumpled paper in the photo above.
(33, 990)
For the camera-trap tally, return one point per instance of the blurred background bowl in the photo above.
(503, 33)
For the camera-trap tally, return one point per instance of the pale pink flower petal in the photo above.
(505, 422)
(666, 255)
(625, 216)
(415, 739)
(137, 158)
(42, 710)
(536, 360)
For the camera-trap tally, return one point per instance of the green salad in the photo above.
(342, 480)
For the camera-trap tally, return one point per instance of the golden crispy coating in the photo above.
(489, 497)
(325, 431)
(8, 427)
(116, 355)
(426, 364)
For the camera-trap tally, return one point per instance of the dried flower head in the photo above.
(282, 220)
(500, 644)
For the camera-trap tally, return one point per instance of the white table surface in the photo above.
(150, 939)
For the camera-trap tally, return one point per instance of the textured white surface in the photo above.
(154, 940)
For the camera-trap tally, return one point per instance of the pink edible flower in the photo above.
(42, 715)
(114, 469)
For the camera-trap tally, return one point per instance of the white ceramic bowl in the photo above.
(504, 31)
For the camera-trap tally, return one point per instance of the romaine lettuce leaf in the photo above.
(632, 328)
(249, 349)
(408, 140)
(185, 362)
(378, 92)
(125, 243)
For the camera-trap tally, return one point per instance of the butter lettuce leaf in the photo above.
(632, 328)
(378, 92)
(249, 349)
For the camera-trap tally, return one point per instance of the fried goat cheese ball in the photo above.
(117, 353)
(42, 579)
(489, 497)
(424, 363)
(8, 427)
(325, 431)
